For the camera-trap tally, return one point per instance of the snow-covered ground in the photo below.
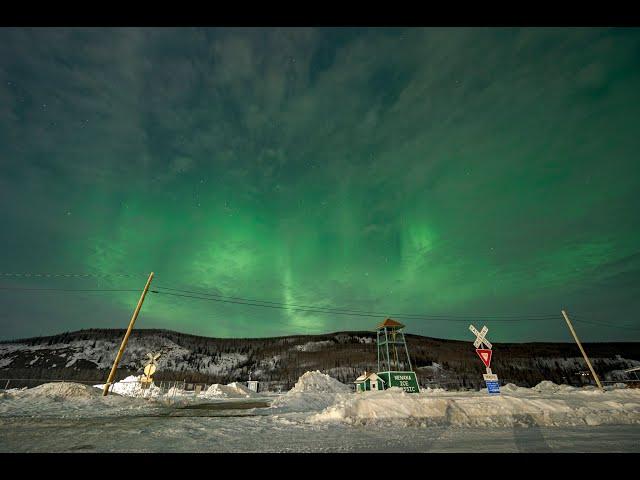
(320, 414)
(132, 387)
(265, 434)
(514, 407)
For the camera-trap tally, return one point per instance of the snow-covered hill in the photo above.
(99, 354)
(88, 354)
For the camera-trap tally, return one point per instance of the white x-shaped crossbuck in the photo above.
(153, 357)
(480, 337)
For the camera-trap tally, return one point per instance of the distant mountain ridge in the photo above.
(87, 355)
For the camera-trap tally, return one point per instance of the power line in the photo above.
(70, 275)
(298, 307)
(606, 324)
(317, 309)
(348, 313)
(70, 289)
(354, 311)
(281, 307)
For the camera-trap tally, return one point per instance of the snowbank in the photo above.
(61, 390)
(319, 382)
(546, 387)
(510, 387)
(306, 402)
(617, 385)
(176, 392)
(244, 390)
(547, 405)
(432, 390)
(232, 390)
(131, 387)
(312, 391)
(217, 390)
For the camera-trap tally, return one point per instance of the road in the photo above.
(241, 432)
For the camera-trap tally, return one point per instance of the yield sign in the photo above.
(485, 355)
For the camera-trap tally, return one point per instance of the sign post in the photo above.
(490, 378)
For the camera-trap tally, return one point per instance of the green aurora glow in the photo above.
(436, 171)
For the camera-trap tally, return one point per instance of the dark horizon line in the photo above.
(150, 330)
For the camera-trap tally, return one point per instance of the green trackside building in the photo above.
(369, 381)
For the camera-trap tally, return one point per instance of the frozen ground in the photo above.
(321, 415)
(264, 434)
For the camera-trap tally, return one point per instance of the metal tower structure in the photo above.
(389, 334)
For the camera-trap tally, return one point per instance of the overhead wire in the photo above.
(69, 275)
(589, 322)
(338, 310)
(347, 313)
(215, 297)
(71, 289)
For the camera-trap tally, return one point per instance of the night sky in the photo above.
(457, 173)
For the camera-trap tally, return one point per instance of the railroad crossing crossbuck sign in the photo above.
(490, 378)
(149, 369)
(153, 357)
(480, 337)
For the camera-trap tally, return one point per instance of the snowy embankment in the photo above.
(546, 404)
(131, 387)
(232, 390)
(326, 400)
(312, 392)
(127, 397)
(68, 400)
(57, 391)
(320, 399)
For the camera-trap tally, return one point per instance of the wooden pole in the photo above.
(126, 336)
(586, 359)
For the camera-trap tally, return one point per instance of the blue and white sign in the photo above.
(493, 386)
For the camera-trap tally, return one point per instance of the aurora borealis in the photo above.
(440, 171)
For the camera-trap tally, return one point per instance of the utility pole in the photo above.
(107, 385)
(586, 359)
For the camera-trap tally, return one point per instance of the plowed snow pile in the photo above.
(550, 387)
(546, 387)
(131, 387)
(243, 389)
(232, 390)
(61, 390)
(313, 391)
(175, 392)
(546, 404)
(69, 400)
(319, 382)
